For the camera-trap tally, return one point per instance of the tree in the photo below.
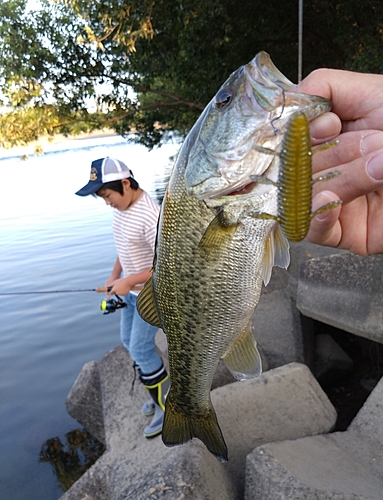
(151, 66)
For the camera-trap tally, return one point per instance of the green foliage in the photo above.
(151, 66)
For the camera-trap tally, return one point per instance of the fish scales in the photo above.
(189, 303)
(211, 254)
(188, 294)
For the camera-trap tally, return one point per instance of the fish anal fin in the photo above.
(244, 360)
(276, 253)
(179, 428)
(146, 304)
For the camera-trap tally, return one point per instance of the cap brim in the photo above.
(90, 188)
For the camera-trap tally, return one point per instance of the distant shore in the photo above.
(46, 143)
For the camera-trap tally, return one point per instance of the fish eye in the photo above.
(223, 98)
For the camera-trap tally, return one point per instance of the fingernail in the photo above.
(371, 143)
(319, 201)
(375, 167)
(325, 127)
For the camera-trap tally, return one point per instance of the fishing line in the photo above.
(99, 289)
(300, 38)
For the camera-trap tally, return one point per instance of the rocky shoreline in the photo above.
(278, 428)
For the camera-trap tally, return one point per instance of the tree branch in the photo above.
(147, 90)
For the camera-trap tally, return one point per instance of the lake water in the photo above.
(51, 239)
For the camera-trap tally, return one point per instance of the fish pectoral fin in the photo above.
(179, 428)
(282, 248)
(276, 253)
(244, 360)
(146, 305)
(217, 235)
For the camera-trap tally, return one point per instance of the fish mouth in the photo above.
(244, 189)
(248, 188)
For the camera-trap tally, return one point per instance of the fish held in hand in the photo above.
(211, 255)
(248, 114)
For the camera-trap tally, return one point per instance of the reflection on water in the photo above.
(51, 240)
(69, 460)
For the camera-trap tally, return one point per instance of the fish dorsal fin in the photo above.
(244, 360)
(146, 305)
(276, 253)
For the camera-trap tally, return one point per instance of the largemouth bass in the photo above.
(211, 256)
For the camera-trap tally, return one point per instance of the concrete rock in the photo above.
(311, 468)
(188, 472)
(84, 402)
(345, 291)
(281, 332)
(284, 403)
(277, 327)
(364, 437)
(93, 484)
(340, 466)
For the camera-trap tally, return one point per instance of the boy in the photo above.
(134, 228)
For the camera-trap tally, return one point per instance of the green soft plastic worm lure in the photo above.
(295, 180)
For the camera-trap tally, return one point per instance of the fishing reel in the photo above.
(111, 305)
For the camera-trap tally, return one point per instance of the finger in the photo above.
(351, 146)
(354, 95)
(324, 128)
(358, 178)
(325, 228)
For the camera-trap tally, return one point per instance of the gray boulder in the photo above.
(84, 403)
(284, 403)
(279, 328)
(339, 466)
(345, 291)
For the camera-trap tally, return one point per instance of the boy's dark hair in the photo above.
(117, 186)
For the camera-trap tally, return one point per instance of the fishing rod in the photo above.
(98, 289)
(107, 306)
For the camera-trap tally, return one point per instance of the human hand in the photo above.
(357, 99)
(121, 286)
(109, 284)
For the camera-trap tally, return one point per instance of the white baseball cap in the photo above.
(102, 171)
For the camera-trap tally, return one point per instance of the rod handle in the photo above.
(105, 289)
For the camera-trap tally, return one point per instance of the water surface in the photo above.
(51, 239)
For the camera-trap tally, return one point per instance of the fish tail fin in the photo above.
(179, 428)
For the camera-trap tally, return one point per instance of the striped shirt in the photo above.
(134, 231)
